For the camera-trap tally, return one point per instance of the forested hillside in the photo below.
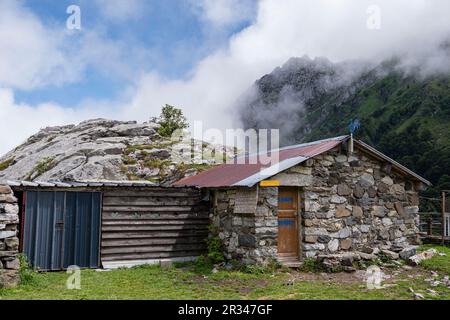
(405, 115)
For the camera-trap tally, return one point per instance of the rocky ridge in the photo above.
(101, 149)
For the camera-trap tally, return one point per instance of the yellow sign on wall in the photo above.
(270, 183)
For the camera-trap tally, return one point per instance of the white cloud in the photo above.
(30, 55)
(19, 121)
(34, 55)
(337, 29)
(222, 13)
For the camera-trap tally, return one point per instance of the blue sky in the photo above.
(171, 34)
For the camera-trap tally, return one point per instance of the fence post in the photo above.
(430, 224)
(443, 217)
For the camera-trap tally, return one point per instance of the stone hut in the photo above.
(337, 200)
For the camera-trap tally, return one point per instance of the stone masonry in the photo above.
(9, 242)
(353, 207)
(249, 237)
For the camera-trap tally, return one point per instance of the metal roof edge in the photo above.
(268, 172)
(79, 183)
(301, 145)
(339, 138)
(393, 162)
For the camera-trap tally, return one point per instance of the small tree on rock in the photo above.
(171, 119)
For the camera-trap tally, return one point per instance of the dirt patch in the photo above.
(357, 277)
(338, 278)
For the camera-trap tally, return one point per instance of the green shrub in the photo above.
(156, 163)
(171, 119)
(26, 273)
(203, 265)
(270, 268)
(312, 265)
(215, 246)
(384, 258)
(128, 160)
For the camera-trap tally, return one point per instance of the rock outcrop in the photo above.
(103, 149)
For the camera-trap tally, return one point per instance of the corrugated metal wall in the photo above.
(62, 229)
(153, 224)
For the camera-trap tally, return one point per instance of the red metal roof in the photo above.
(247, 173)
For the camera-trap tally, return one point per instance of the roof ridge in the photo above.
(306, 144)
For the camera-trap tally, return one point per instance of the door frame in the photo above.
(298, 221)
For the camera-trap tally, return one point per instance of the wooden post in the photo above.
(350, 145)
(430, 225)
(443, 217)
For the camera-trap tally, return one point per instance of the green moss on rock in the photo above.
(42, 167)
(5, 164)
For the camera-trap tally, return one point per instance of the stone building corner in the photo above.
(9, 242)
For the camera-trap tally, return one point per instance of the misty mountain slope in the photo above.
(101, 149)
(403, 115)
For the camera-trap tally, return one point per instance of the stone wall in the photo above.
(9, 242)
(352, 206)
(248, 237)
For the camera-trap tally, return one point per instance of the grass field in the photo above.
(190, 282)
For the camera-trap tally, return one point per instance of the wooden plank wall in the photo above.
(153, 223)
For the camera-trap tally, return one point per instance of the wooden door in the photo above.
(288, 242)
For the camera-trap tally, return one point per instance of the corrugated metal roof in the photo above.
(251, 171)
(247, 174)
(79, 183)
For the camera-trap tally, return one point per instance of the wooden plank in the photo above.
(154, 234)
(153, 216)
(152, 242)
(151, 255)
(153, 228)
(154, 248)
(148, 209)
(150, 201)
(111, 215)
(143, 222)
(152, 193)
